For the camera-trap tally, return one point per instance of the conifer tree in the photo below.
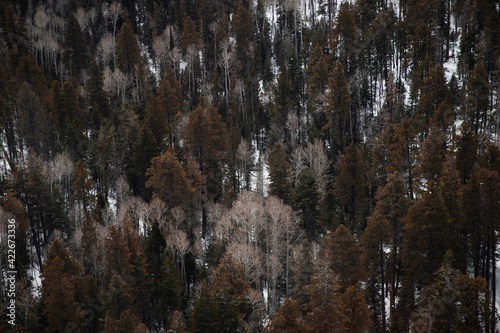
(169, 180)
(169, 287)
(55, 111)
(288, 319)
(317, 77)
(98, 98)
(421, 57)
(58, 290)
(127, 323)
(306, 200)
(279, 174)
(32, 125)
(339, 125)
(350, 188)
(303, 275)
(170, 97)
(220, 306)
(477, 101)
(352, 312)
(43, 206)
(142, 151)
(434, 91)
(427, 230)
(189, 33)
(399, 146)
(82, 187)
(90, 252)
(482, 212)
(324, 286)
(432, 156)
(75, 120)
(11, 205)
(345, 35)
(453, 303)
(242, 30)
(345, 257)
(76, 52)
(466, 155)
(385, 229)
(128, 54)
(207, 138)
(283, 105)
(138, 277)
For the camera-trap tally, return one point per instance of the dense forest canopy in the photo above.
(250, 166)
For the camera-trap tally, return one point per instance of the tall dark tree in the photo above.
(76, 52)
(98, 98)
(58, 289)
(351, 190)
(345, 257)
(128, 54)
(385, 229)
(340, 127)
(476, 105)
(169, 180)
(207, 138)
(279, 174)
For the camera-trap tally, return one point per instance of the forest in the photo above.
(199, 166)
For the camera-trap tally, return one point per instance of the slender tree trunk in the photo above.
(382, 277)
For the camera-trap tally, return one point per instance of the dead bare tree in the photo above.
(123, 82)
(312, 156)
(112, 13)
(249, 256)
(82, 18)
(244, 157)
(226, 60)
(180, 245)
(282, 232)
(105, 49)
(293, 127)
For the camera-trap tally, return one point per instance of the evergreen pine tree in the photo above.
(58, 290)
(345, 257)
(426, 238)
(76, 52)
(98, 98)
(339, 124)
(128, 54)
(279, 173)
(350, 188)
(169, 180)
(288, 319)
(352, 312)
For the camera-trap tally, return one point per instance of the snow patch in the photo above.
(34, 273)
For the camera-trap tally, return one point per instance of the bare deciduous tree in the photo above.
(244, 157)
(293, 127)
(82, 18)
(160, 49)
(59, 171)
(180, 245)
(226, 60)
(282, 231)
(122, 191)
(175, 60)
(312, 156)
(176, 219)
(249, 256)
(122, 81)
(112, 13)
(132, 208)
(105, 49)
